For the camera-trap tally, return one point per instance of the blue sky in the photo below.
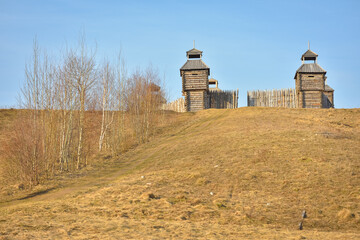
(247, 44)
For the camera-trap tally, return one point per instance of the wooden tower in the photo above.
(195, 81)
(310, 84)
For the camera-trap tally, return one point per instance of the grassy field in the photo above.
(246, 173)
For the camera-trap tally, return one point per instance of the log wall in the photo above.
(311, 99)
(195, 80)
(328, 99)
(310, 87)
(196, 100)
(312, 82)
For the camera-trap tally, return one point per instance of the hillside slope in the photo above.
(224, 174)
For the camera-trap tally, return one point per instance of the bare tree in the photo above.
(30, 134)
(117, 136)
(66, 100)
(80, 67)
(31, 101)
(108, 108)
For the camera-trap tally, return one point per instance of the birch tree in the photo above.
(108, 110)
(80, 67)
(29, 134)
(117, 136)
(66, 100)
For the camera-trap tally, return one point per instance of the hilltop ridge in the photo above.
(230, 174)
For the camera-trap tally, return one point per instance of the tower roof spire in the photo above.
(194, 61)
(194, 53)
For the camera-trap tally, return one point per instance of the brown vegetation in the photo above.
(217, 174)
(58, 131)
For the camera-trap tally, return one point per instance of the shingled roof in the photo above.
(310, 68)
(328, 88)
(309, 55)
(193, 51)
(195, 65)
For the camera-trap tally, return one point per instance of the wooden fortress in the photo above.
(311, 90)
(195, 86)
(310, 84)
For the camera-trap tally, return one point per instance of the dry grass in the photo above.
(218, 174)
(7, 118)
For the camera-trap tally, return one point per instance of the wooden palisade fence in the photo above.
(272, 98)
(177, 106)
(223, 99)
(216, 99)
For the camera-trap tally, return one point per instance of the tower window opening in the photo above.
(194, 56)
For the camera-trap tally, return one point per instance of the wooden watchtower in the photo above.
(195, 81)
(310, 84)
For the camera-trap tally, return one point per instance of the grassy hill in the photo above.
(218, 174)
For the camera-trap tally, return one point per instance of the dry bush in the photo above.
(144, 100)
(24, 153)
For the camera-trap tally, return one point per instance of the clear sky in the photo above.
(248, 45)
